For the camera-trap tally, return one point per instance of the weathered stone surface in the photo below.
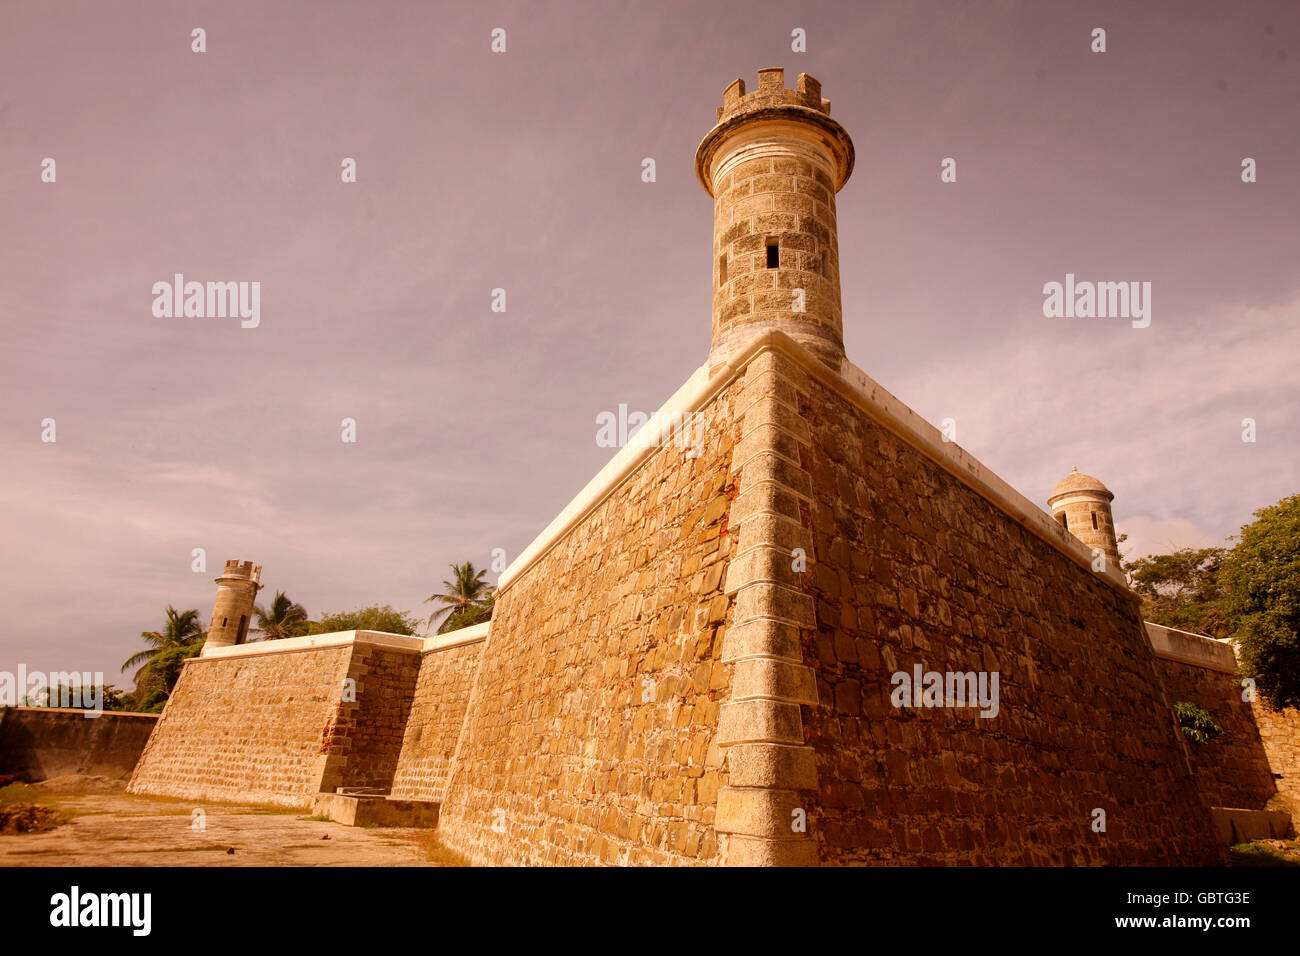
(915, 567)
(590, 726)
(276, 727)
(437, 712)
(1232, 770)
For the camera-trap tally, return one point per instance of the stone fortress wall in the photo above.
(37, 743)
(693, 663)
(277, 722)
(448, 667)
(1252, 764)
(591, 732)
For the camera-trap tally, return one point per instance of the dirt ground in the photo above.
(106, 827)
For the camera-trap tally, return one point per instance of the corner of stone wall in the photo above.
(336, 736)
(760, 728)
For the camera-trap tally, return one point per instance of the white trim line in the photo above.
(880, 404)
(693, 395)
(311, 642)
(464, 635)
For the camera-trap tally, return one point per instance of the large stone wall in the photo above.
(437, 714)
(37, 743)
(270, 723)
(367, 738)
(1279, 732)
(1232, 770)
(910, 565)
(590, 731)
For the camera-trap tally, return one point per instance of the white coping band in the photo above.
(863, 391)
(310, 642)
(1185, 647)
(465, 635)
(694, 394)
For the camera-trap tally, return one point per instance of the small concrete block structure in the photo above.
(374, 809)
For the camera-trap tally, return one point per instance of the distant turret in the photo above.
(1081, 504)
(236, 592)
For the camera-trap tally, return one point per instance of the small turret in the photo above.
(1081, 504)
(236, 593)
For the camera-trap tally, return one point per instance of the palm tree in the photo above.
(181, 630)
(467, 599)
(285, 619)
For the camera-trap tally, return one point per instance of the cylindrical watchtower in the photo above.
(236, 593)
(1081, 504)
(773, 165)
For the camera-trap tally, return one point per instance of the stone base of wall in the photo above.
(360, 811)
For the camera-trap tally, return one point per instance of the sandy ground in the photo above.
(121, 829)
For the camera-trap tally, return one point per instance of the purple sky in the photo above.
(523, 171)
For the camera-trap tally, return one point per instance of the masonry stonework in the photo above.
(694, 663)
(1279, 732)
(911, 567)
(1232, 770)
(773, 164)
(437, 714)
(591, 732)
(277, 726)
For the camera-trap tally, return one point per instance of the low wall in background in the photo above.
(1254, 763)
(38, 743)
(1279, 732)
(275, 722)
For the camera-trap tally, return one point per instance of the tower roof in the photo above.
(1075, 481)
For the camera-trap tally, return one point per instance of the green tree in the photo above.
(1196, 722)
(76, 696)
(1262, 601)
(1182, 590)
(160, 676)
(475, 614)
(373, 618)
(181, 630)
(466, 599)
(285, 619)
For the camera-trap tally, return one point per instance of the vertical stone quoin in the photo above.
(232, 612)
(773, 164)
(760, 730)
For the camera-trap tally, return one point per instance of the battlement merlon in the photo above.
(773, 102)
(237, 571)
(772, 92)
